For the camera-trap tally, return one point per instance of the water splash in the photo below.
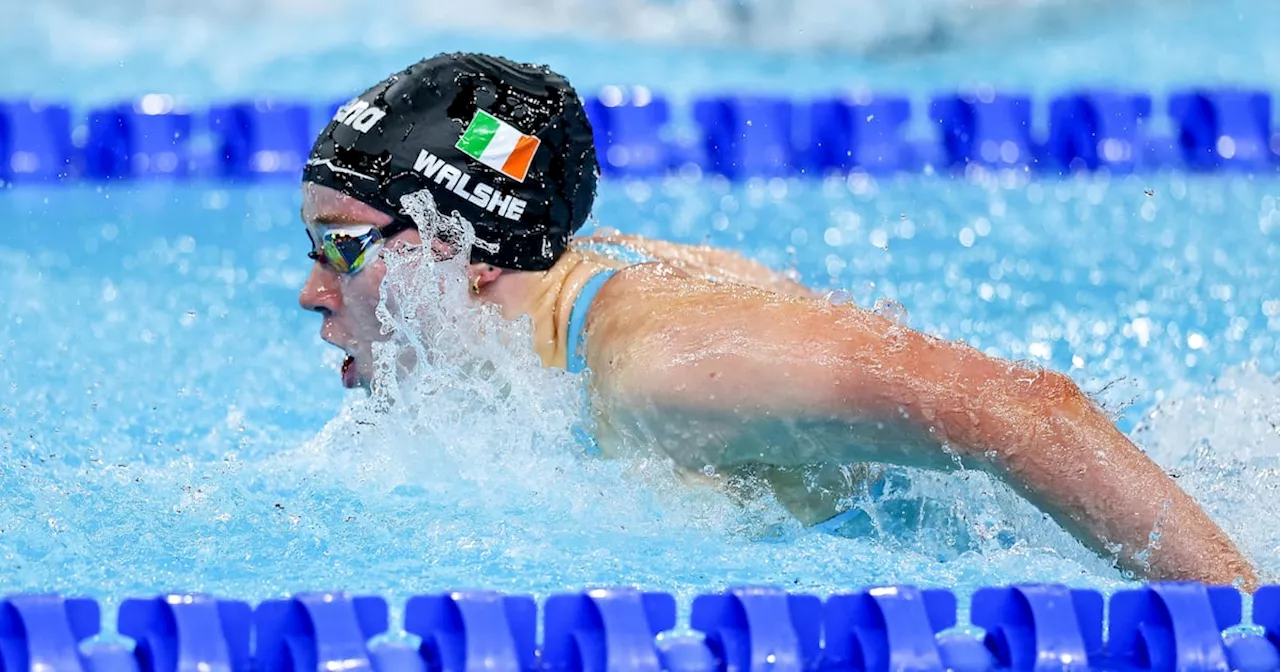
(1113, 399)
(461, 404)
(453, 374)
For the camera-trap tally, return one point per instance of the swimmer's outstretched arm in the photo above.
(702, 369)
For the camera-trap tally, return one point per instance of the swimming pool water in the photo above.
(169, 418)
(163, 394)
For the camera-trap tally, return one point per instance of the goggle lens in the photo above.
(346, 250)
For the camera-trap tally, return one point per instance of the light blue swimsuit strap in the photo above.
(582, 304)
(577, 361)
(576, 343)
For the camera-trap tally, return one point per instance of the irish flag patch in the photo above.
(497, 144)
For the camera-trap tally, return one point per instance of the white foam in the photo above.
(1236, 419)
(1223, 444)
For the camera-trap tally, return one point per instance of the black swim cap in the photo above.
(505, 145)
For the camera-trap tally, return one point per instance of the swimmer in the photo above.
(691, 341)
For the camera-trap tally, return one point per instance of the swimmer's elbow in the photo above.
(1047, 435)
(1056, 392)
(1054, 400)
(996, 415)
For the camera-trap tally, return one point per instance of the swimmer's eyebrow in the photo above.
(331, 218)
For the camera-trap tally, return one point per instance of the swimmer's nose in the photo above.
(320, 293)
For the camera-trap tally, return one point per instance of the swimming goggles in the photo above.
(348, 249)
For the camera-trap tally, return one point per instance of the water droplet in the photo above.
(893, 311)
(1027, 370)
(839, 297)
(709, 470)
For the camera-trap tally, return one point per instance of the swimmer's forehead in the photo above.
(326, 206)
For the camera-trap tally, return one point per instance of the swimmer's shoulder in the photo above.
(701, 261)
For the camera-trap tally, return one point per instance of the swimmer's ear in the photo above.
(480, 275)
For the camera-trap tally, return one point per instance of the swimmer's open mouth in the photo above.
(349, 372)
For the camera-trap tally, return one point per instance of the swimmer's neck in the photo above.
(546, 297)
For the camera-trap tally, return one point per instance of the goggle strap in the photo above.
(399, 224)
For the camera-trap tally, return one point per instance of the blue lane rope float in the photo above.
(183, 632)
(318, 631)
(646, 136)
(1041, 626)
(1157, 627)
(752, 628)
(605, 629)
(474, 630)
(889, 628)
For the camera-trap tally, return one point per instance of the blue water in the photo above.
(169, 418)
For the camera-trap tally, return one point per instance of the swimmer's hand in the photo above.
(715, 373)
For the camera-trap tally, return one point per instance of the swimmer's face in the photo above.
(348, 303)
